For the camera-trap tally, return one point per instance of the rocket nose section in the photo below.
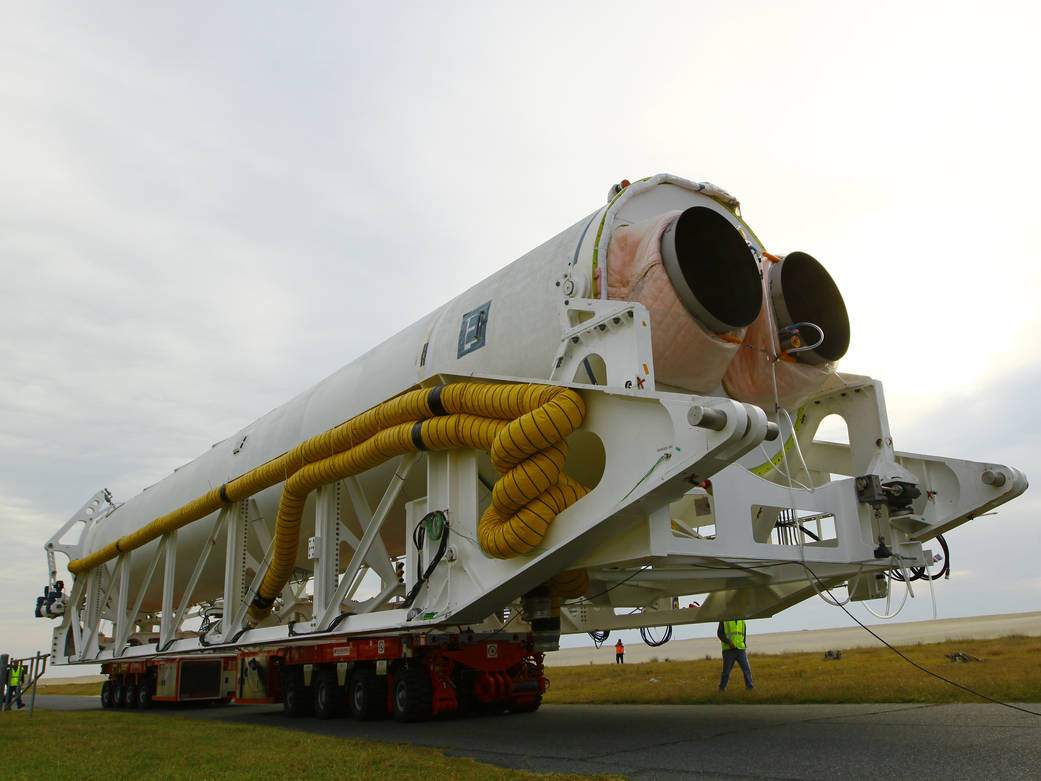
(803, 292)
(712, 269)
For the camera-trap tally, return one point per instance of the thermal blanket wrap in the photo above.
(686, 354)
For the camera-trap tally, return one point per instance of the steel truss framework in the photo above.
(676, 510)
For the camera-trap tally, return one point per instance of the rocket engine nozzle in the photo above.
(712, 269)
(802, 291)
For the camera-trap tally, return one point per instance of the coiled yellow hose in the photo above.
(522, 426)
(514, 423)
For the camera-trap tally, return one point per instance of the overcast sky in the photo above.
(208, 207)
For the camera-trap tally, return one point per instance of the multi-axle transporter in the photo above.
(623, 418)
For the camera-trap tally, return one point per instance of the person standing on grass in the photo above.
(732, 635)
(619, 652)
(15, 676)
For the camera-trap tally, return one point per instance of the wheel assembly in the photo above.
(144, 696)
(296, 700)
(367, 694)
(413, 694)
(328, 695)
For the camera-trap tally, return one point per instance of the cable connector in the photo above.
(882, 551)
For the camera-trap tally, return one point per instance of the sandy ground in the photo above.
(58, 678)
(905, 633)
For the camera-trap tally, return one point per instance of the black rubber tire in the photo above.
(118, 694)
(367, 694)
(106, 695)
(297, 699)
(144, 695)
(413, 693)
(330, 700)
(465, 698)
(130, 695)
(525, 707)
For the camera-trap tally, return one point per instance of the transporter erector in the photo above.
(619, 421)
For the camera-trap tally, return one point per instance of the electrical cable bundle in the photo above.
(652, 641)
(600, 637)
(922, 573)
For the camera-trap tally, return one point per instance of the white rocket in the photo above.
(699, 366)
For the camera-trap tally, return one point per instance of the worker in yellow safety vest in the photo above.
(732, 635)
(14, 684)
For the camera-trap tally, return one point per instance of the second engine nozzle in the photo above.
(802, 291)
(712, 269)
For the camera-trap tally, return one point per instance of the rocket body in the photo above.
(512, 324)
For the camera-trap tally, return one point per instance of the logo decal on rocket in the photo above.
(473, 329)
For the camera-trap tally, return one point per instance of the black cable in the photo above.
(600, 637)
(588, 600)
(336, 621)
(666, 637)
(915, 664)
(945, 570)
(810, 534)
(920, 573)
(203, 631)
(418, 531)
(743, 568)
(584, 600)
(419, 534)
(501, 629)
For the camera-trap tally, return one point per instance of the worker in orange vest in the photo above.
(619, 652)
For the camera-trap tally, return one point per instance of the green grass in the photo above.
(1010, 671)
(119, 744)
(142, 746)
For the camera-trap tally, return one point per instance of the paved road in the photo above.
(707, 741)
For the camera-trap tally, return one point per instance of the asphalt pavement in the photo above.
(894, 741)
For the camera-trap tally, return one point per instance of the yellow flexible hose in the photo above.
(523, 427)
(475, 420)
(504, 535)
(569, 585)
(408, 406)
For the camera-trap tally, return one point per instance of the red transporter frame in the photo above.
(140, 682)
(412, 676)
